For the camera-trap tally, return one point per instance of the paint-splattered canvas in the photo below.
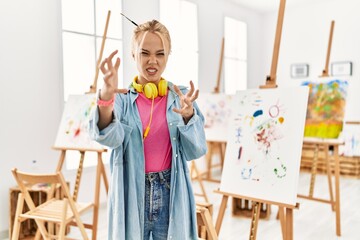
(326, 107)
(73, 129)
(216, 108)
(263, 153)
(351, 137)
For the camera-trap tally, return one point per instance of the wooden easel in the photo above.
(321, 144)
(210, 144)
(286, 218)
(214, 146)
(100, 170)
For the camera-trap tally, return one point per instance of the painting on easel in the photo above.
(216, 108)
(351, 137)
(263, 152)
(326, 105)
(73, 129)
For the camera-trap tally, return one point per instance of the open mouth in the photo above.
(151, 71)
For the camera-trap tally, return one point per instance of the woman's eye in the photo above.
(144, 53)
(161, 54)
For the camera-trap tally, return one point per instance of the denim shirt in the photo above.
(127, 166)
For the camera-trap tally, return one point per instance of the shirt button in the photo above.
(170, 237)
(175, 155)
(170, 124)
(174, 138)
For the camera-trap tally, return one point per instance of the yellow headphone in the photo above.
(150, 90)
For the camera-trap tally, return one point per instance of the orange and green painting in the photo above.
(326, 108)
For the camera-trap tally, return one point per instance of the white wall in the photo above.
(30, 89)
(305, 39)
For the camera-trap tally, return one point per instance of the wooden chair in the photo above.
(60, 212)
(204, 222)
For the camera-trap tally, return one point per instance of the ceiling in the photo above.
(270, 5)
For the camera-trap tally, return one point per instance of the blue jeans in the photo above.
(157, 201)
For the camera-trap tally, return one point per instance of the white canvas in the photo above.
(73, 129)
(263, 152)
(216, 108)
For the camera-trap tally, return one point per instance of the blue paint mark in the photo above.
(258, 113)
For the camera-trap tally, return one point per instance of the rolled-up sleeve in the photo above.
(192, 136)
(112, 136)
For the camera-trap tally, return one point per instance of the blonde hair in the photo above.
(152, 26)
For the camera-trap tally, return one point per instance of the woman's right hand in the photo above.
(110, 72)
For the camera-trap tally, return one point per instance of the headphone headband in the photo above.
(150, 90)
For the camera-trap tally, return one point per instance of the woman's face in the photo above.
(151, 58)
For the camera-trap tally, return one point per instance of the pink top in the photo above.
(157, 145)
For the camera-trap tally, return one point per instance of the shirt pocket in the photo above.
(127, 134)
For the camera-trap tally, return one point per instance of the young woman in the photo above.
(153, 129)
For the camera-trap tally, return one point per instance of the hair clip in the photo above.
(129, 20)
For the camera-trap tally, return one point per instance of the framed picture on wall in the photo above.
(299, 70)
(341, 69)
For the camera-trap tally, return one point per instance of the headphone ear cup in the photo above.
(138, 87)
(150, 90)
(162, 87)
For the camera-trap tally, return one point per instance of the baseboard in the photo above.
(4, 234)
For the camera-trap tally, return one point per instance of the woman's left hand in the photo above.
(186, 102)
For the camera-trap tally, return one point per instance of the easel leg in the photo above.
(282, 221)
(254, 220)
(103, 172)
(221, 214)
(328, 170)
(97, 199)
(337, 189)
(209, 160)
(313, 170)
(61, 160)
(289, 224)
(78, 175)
(199, 178)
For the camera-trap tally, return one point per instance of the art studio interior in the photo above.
(278, 83)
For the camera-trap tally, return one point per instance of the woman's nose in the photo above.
(152, 59)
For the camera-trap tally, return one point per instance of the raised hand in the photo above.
(110, 72)
(186, 102)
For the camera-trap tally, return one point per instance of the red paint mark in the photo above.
(77, 132)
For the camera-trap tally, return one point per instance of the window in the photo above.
(180, 18)
(235, 55)
(83, 25)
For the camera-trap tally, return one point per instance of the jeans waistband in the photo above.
(162, 175)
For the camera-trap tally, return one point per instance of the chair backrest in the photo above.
(25, 179)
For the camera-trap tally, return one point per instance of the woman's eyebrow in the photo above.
(158, 51)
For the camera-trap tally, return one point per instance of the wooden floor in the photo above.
(313, 221)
